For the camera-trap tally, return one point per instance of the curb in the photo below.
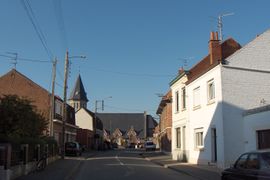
(172, 168)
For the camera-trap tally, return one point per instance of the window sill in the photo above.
(199, 149)
(212, 101)
(184, 109)
(196, 107)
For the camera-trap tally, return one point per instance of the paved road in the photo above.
(115, 165)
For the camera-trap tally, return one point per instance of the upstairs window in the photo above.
(210, 91)
(177, 101)
(196, 97)
(183, 98)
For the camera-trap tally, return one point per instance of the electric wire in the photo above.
(29, 11)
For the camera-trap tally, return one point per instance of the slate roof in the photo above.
(78, 93)
(124, 121)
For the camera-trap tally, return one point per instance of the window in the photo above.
(210, 90)
(177, 101)
(178, 137)
(199, 138)
(58, 107)
(196, 97)
(241, 162)
(263, 139)
(183, 98)
(253, 162)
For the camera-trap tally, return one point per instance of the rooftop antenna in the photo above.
(185, 61)
(14, 58)
(220, 24)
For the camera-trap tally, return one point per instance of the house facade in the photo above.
(219, 90)
(164, 134)
(179, 144)
(16, 83)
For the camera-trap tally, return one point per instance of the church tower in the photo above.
(78, 98)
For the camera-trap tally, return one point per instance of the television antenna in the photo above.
(14, 58)
(185, 61)
(220, 24)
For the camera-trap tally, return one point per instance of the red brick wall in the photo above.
(15, 83)
(165, 125)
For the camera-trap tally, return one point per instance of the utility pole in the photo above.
(52, 98)
(64, 105)
(220, 24)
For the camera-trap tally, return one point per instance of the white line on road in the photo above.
(116, 157)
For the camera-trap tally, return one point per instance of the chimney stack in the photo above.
(214, 48)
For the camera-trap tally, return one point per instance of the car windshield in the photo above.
(266, 158)
(71, 145)
(149, 143)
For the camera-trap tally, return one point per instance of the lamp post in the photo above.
(65, 100)
(95, 116)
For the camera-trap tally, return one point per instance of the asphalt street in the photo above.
(115, 165)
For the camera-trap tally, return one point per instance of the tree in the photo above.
(19, 118)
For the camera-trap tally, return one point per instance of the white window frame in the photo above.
(211, 91)
(196, 98)
(198, 138)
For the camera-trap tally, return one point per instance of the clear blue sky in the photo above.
(133, 47)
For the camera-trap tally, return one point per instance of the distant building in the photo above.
(165, 124)
(127, 128)
(90, 130)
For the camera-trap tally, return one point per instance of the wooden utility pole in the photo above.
(52, 98)
(64, 105)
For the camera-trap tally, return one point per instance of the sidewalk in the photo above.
(201, 172)
(60, 169)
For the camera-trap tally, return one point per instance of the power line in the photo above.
(132, 74)
(29, 11)
(27, 59)
(60, 22)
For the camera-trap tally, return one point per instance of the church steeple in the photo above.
(78, 98)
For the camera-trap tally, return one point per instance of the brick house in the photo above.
(15, 83)
(165, 124)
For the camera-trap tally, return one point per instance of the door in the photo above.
(214, 144)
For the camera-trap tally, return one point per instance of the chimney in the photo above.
(214, 48)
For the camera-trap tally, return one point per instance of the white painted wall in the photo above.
(244, 84)
(253, 123)
(179, 119)
(84, 119)
(208, 116)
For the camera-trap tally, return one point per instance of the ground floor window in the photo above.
(263, 139)
(178, 137)
(199, 138)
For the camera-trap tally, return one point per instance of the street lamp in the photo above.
(65, 100)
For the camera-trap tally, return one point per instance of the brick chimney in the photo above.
(214, 48)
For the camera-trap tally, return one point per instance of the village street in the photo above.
(117, 164)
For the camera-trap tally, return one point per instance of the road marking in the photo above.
(138, 165)
(116, 157)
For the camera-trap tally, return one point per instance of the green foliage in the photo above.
(20, 119)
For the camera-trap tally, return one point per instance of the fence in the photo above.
(16, 160)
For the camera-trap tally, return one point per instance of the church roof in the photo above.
(78, 92)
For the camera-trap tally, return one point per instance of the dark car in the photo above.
(249, 166)
(73, 148)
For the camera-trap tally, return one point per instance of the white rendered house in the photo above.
(219, 89)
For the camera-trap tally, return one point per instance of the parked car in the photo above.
(149, 145)
(73, 148)
(251, 165)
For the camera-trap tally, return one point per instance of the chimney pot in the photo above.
(212, 36)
